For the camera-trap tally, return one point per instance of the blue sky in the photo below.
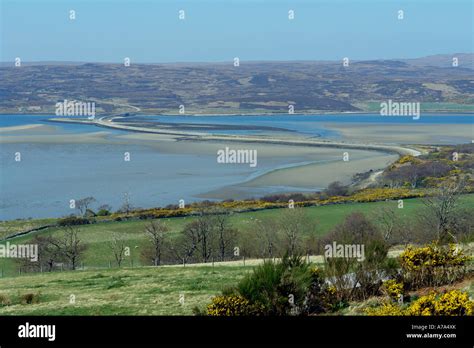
(150, 31)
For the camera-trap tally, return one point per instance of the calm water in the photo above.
(312, 125)
(48, 176)
(304, 124)
(15, 120)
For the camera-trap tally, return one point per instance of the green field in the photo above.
(10, 227)
(97, 236)
(148, 290)
(137, 291)
(168, 290)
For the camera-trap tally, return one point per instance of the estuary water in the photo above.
(50, 174)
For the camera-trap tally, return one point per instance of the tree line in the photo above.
(211, 236)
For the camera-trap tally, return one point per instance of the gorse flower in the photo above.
(454, 303)
(231, 306)
(451, 303)
(425, 305)
(432, 265)
(393, 289)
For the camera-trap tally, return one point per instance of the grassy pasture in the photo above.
(97, 236)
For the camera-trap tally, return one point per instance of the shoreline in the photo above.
(312, 113)
(107, 122)
(296, 176)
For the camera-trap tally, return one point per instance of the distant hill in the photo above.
(252, 87)
(466, 60)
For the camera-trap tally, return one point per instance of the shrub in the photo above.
(73, 221)
(393, 289)
(370, 272)
(355, 229)
(408, 159)
(337, 270)
(103, 212)
(432, 265)
(147, 215)
(336, 188)
(384, 193)
(90, 213)
(30, 298)
(279, 287)
(4, 300)
(451, 303)
(367, 273)
(232, 305)
(386, 309)
(454, 302)
(261, 287)
(284, 198)
(321, 297)
(425, 305)
(115, 282)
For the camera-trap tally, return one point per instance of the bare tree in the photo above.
(186, 244)
(267, 238)
(48, 255)
(387, 218)
(392, 225)
(408, 173)
(70, 246)
(197, 236)
(156, 231)
(294, 223)
(441, 212)
(415, 173)
(118, 247)
(83, 204)
(226, 235)
(203, 229)
(355, 229)
(247, 244)
(126, 206)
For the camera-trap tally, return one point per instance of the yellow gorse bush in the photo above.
(231, 306)
(317, 272)
(454, 303)
(432, 255)
(432, 265)
(393, 289)
(364, 195)
(386, 309)
(383, 193)
(451, 303)
(407, 158)
(425, 305)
